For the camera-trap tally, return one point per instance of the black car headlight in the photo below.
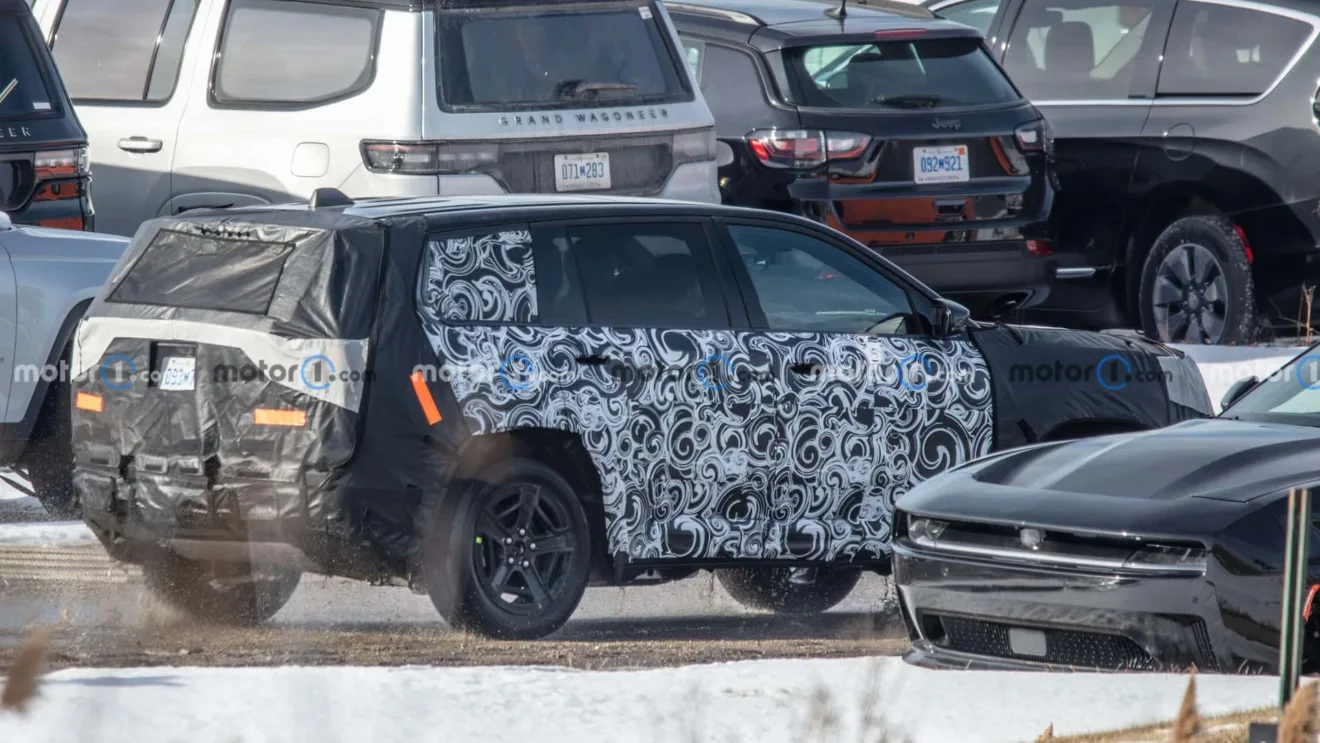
(922, 529)
(1158, 557)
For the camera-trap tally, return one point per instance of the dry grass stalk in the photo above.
(1047, 735)
(1188, 725)
(29, 663)
(1298, 723)
(1307, 296)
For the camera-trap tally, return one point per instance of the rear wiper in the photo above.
(909, 100)
(579, 88)
(4, 93)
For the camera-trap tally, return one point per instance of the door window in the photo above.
(648, 275)
(1223, 50)
(1078, 49)
(804, 283)
(694, 52)
(731, 85)
(282, 52)
(976, 13)
(128, 50)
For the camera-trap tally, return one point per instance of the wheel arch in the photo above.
(562, 451)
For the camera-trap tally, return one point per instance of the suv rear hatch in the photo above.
(583, 96)
(222, 370)
(922, 137)
(43, 157)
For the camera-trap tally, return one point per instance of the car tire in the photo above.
(788, 590)
(1196, 285)
(193, 588)
(48, 459)
(509, 553)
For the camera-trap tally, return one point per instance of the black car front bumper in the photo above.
(971, 613)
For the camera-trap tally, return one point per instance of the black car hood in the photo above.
(1189, 476)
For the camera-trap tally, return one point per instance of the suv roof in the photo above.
(786, 22)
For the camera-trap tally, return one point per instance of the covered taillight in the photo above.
(804, 149)
(279, 417)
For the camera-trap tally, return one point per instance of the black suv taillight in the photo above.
(1036, 137)
(804, 149)
(59, 175)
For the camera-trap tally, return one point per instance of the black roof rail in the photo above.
(323, 198)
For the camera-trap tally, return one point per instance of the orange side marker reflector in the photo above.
(424, 397)
(84, 401)
(1310, 599)
(271, 417)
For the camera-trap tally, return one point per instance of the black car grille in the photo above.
(1062, 647)
(638, 165)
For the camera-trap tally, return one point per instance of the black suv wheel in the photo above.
(1196, 285)
(219, 594)
(789, 590)
(509, 558)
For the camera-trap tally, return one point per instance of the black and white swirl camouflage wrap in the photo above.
(708, 443)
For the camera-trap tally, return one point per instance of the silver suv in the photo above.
(219, 103)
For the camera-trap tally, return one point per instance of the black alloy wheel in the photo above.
(523, 550)
(1196, 284)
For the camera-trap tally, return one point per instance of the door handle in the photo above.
(592, 360)
(140, 144)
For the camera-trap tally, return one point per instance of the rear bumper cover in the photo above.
(959, 613)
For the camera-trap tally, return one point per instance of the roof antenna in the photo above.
(840, 12)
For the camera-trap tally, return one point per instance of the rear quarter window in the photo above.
(1223, 50)
(931, 73)
(483, 276)
(23, 91)
(205, 273)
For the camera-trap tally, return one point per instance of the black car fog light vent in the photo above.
(933, 629)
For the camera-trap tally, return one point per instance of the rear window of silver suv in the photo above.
(602, 54)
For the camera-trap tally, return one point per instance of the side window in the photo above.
(478, 276)
(807, 284)
(975, 13)
(1223, 50)
(694, 53)
(648, 275)
(294, 53)
(731, 85)
(128, 50)
(1078, 49)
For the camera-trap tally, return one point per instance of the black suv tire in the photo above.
(786, 591)
(48, 459)
(517, 530)
(193, 588)
(1192, 241)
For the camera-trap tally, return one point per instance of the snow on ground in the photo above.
(45, 534)
(759, 701)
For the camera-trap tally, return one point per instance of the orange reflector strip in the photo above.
(424, 397)
(270, 417)
(85, 401)
(1310, 597)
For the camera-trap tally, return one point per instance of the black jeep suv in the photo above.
(887, 123)
(43, 149)
(1187, 150)
(502, 399)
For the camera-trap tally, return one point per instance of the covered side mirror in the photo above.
(1235, 393)
(950, 318)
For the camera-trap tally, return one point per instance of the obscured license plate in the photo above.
(586, 172)
(941, 164)
(178, 373)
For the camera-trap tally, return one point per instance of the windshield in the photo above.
(934, 73)
(617, 54)
(1290, 395)
(22, 91)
